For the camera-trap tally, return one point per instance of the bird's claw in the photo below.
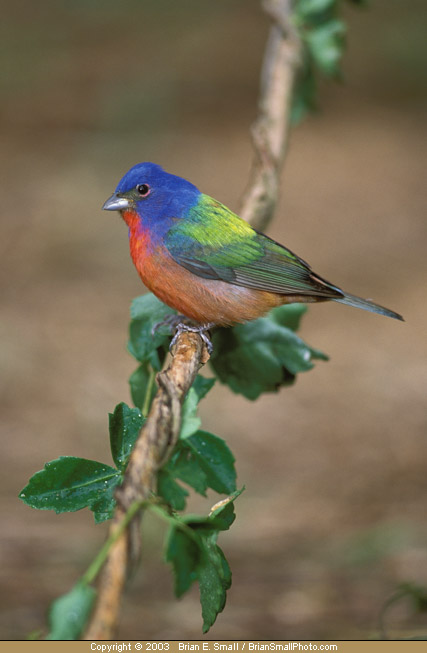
(171, 321)
(201, 330)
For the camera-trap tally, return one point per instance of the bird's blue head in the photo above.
(155, 195)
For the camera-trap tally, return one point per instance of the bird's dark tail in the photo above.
(367, 305)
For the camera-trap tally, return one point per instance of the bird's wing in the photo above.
(214, 243)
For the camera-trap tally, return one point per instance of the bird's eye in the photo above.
(143, 189)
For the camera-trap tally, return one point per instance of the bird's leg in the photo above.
(201, 330)
(171, 321)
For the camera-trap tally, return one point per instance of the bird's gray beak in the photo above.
(116, 203)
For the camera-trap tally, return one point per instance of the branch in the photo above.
(156, 440)
(161, 430)
(270, 132)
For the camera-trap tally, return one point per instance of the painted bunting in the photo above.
(201, 259)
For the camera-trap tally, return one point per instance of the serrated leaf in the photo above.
(326, 44)
(69, 614)
(184, 464)
(214, 577)
(203, 461)
(214, 573)
(139, 382)
(184, 553)
(260, 356)
(146, 311)
(125, 424)
(195, 555)
(190, 422)
(69, 484)
(215, 459)
(170, 490)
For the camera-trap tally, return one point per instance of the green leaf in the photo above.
(262, 355)
(306, 8)
(140, 384)
(170, 490)
(184, 465)
(222, 514)
(69, 614)
(215, 459)
(103, 509)
(69, 484)
(323, 41)
(214, 577)
(202, 385)
(184, 553)
(146, 311)
(203, 461)
(190, 421)
(124, 424)
(195, 555)
(304, 94)
(326, 44)
(213, 571)
(289, 315)
(219, 519)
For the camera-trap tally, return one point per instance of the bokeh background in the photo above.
(334, 513)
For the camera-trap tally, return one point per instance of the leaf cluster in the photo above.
(263, 355)
(323, 37)
(195, 555)
(251, 359)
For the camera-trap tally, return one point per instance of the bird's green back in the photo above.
(214, 243)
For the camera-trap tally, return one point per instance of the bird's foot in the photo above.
(201, 330)
(171, 321)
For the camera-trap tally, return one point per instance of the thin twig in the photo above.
(161, 430)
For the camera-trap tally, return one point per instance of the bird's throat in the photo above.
(132, 219)
(140, 242)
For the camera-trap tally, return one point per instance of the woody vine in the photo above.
(159, 450)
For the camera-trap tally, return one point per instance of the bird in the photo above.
(211, 266)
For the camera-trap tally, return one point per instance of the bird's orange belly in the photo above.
(202, 300)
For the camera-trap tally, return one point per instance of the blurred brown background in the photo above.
(334, 513)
